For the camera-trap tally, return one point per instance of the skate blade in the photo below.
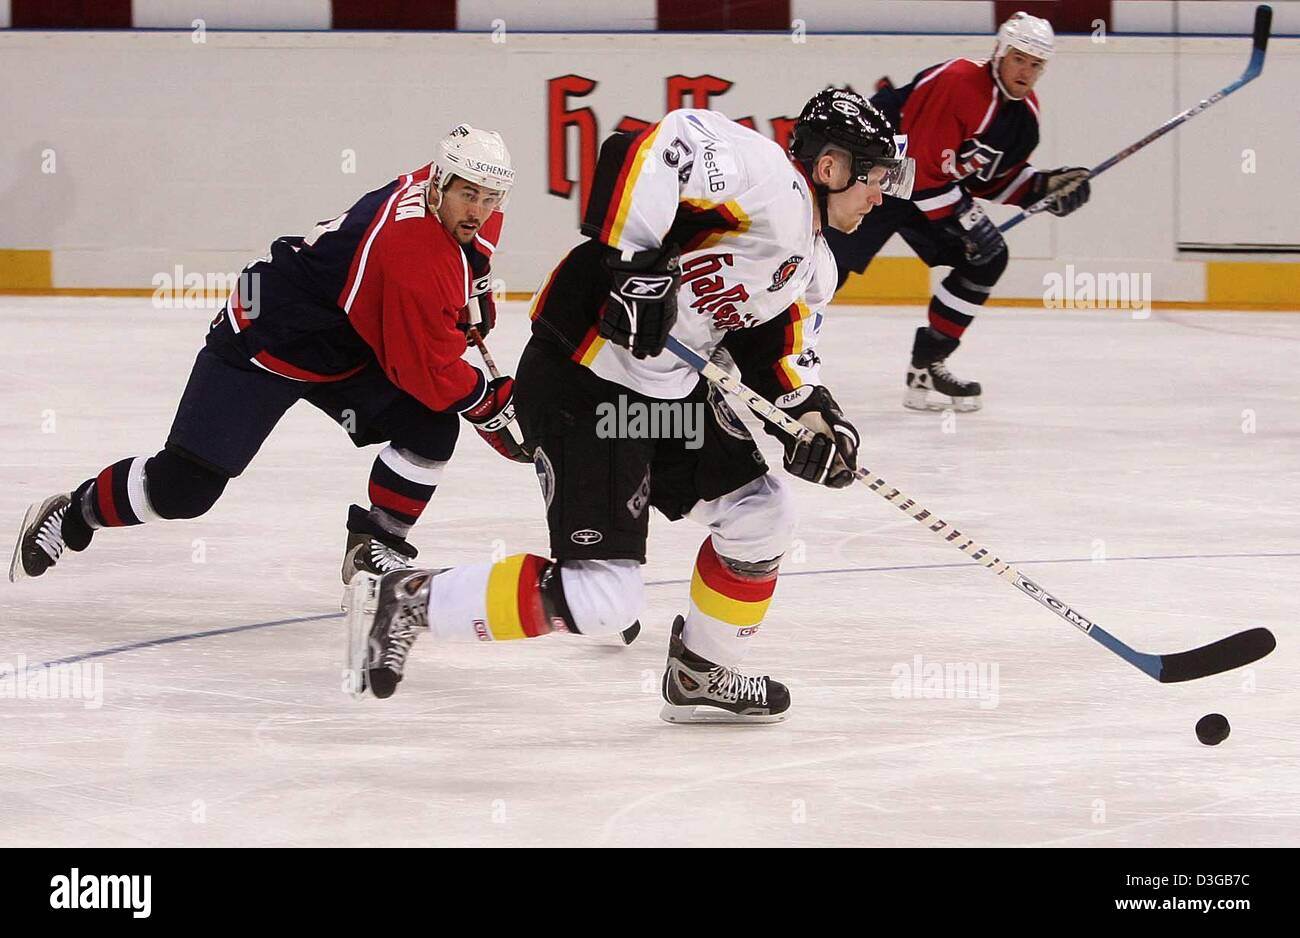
(16, 571)
(702, 713)
(360, 600)
(961, 405)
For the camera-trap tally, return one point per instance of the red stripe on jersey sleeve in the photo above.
(620, 184)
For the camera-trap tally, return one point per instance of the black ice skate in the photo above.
(929, 372)
(385, 616)
(699, 691)
(42, 540)
(371, 549)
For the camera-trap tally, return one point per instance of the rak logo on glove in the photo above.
(795, 397)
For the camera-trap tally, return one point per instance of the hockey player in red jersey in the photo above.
(700, 228)
(364, 318)
(971, 127)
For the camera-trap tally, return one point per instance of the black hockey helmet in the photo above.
(842, 118)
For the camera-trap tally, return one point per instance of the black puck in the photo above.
(1212, 729)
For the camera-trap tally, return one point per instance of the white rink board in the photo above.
(199, 154)
(1100, 433)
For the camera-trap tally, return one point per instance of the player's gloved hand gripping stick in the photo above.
(1223, 655)
(1263, 23)
(494, 416)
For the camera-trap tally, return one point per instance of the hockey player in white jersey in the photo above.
(702, 228)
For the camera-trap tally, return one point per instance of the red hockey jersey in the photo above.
(964, 135)
(383, 281)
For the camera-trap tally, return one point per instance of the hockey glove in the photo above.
(481, 311)
(831, 456)
(1069, 184)
(642, 304)
(494, 419)
(970, 225)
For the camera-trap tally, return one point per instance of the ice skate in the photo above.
(41, 540)
(929, 372)
(371, 549)
(699, 691)
(385, 616)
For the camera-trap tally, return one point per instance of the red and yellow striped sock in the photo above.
(726, 608)
(490, 602)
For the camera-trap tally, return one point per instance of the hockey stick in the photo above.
(1263, 23)
(479, 344)
(1223, 655)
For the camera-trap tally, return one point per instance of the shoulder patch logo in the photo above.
(785, 272)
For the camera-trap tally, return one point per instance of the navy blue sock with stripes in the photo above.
(401, 485)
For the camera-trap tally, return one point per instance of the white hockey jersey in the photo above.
(744, 218)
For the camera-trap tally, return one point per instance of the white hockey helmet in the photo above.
(477, 156)
(1031, 35)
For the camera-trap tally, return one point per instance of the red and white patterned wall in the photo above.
(930, 16)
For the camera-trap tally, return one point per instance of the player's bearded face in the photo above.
(465, 207)
(845, 210)
(1020, 72)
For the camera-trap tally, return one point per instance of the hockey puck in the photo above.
(1212, 729)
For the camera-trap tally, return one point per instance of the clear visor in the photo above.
(898, 179)
(486, 194)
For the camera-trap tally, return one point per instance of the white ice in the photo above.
(1145, 470)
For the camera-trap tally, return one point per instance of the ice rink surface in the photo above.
(1145, 470)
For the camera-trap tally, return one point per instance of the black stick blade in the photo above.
(1263, 25)
(1216, 657)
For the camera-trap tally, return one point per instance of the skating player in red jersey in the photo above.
(365, 319)
(971, 128)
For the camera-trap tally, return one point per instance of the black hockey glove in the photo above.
(642, 305)
(481, 311)
(1069, 182)
(979, 236)
(832, 454)
(494, 419)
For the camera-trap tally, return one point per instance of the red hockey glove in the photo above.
(494, 419)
